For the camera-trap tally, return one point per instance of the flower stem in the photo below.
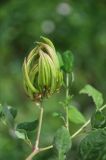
(36, 147)
(85, 125)
(67, 94)
(39, 127)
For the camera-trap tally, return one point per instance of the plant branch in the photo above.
(46, 148)
(85, 125)
(36, 151)
(36, 147)
(39, 127)
(81, 129)
(32, 154)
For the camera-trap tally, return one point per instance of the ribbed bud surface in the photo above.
(41, 71)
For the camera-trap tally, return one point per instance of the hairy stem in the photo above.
(85, 125)
(67, 94)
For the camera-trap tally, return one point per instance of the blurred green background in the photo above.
(70, 24)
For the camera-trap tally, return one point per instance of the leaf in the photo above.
(13, 111)
(68, 61)
(22, 134)
(75, 115)
(28, 126)
(55, 114)
(93, 146)
(98, 120)
(8, 115)
(59, 115)
(67, 101)
(62, 142)
(95, 94)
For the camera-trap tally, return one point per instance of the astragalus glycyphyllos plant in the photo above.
(45, 71)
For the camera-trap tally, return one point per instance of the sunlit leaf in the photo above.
(22, 134)
(95, 94)
(75, 115)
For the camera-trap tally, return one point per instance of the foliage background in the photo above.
(76, 25)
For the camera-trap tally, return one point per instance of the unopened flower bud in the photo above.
(41, 70)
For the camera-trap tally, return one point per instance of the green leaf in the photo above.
(93, 146)
(75, 115)
(95, 94)
(59, 115)
(67, 101)
(13, 111)
(98, 120)
(22, 134)
(28, 126)
(55, 114)
(68, 61)
(62, 142)
(8, 116)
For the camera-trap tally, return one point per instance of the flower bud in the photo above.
(41, 71)
(68, 61)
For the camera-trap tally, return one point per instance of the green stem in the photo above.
(81, 129)
(46, 148)
(39, 127)
(36, 147)
(85, 125)
(32, 154)
(36, 151)
(67, 95)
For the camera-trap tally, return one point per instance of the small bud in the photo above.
(41, 71)
(68, 60)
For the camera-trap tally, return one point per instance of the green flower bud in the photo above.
(68, 61)
(41, 71)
